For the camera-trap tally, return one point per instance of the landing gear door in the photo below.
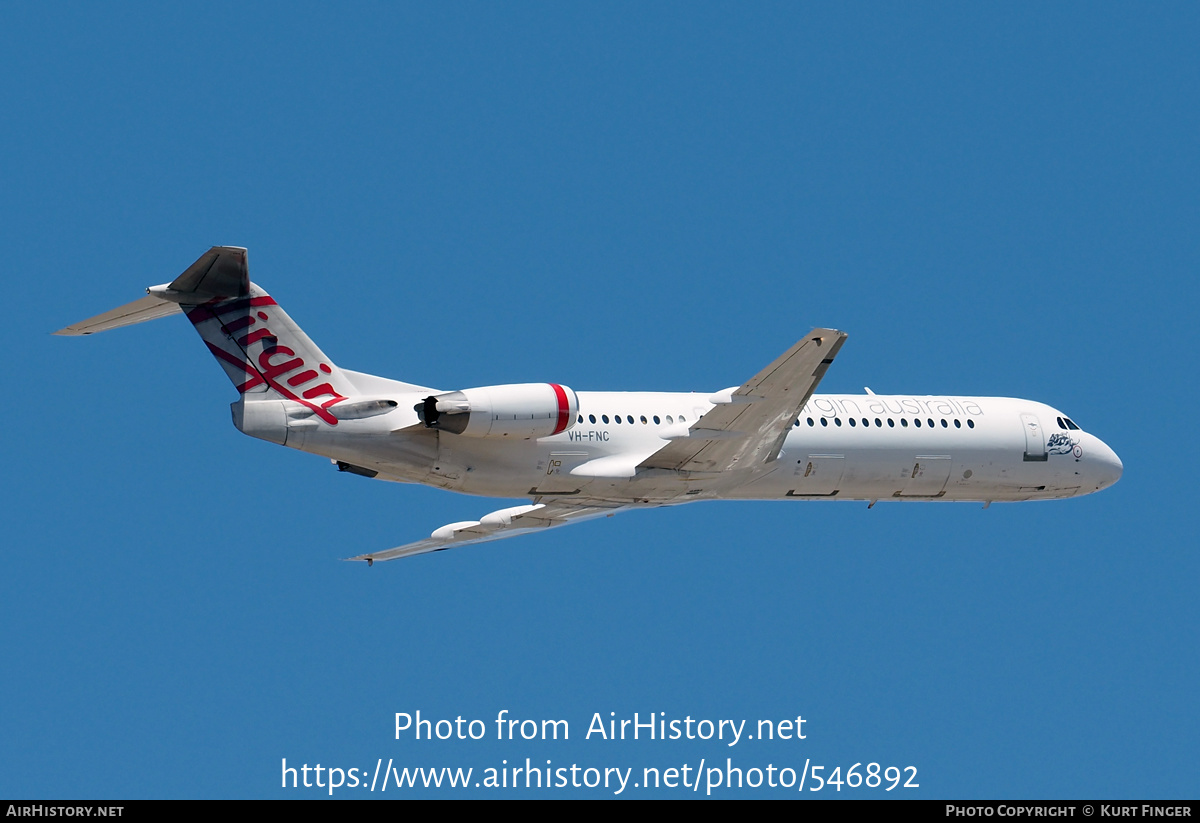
(1035, 439)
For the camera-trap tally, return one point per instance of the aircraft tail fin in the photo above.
(220, 273)
(266, 355)
(263, 351)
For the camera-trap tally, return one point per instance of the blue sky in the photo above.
(989, 198)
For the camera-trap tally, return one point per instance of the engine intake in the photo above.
(523, 410)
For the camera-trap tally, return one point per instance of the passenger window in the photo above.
(670, 420)
(891, 423)
(837, 421)
(682, 419)
(852, 422)
(656, 420)
(643, 419)
(970, 424)
(957, 423)
(810, 421)
(629, 419)
(878, 423)
(930, 422)
(592, 418)
(904, 422)
(604, 417)
(580, 418)
(824, 422)
(917, 422)
(866, 422)
(617, 418)
(945, 425)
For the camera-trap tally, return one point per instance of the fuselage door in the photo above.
(1035, 439)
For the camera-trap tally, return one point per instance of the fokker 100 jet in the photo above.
(582, 455)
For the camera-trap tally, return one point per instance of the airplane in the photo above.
(583, 455)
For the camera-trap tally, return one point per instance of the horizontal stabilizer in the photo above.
(139, 311)
(220, 274)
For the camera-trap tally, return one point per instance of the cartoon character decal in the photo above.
(1060, 443)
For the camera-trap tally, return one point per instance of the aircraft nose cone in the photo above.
(1107, 466)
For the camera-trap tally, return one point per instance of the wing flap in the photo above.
(747, 427)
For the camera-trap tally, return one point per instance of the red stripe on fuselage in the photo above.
(564, 408)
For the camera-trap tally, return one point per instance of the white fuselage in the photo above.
(582, 455)
(841, 447)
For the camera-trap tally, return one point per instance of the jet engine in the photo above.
(520, 410)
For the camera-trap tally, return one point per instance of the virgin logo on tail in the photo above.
(274, 363)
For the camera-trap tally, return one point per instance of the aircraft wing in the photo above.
(500, 524)
(749, 424)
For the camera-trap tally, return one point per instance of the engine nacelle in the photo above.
(521, 410)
